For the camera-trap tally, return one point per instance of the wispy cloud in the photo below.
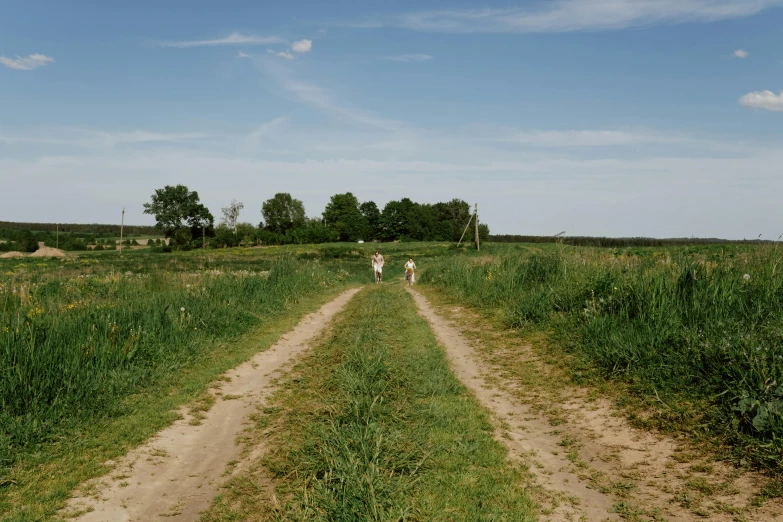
(410, 58)
(281, 54)
(585, 138)
(302, 46)
(320, 99)
(299, 47)
(740, 53)
(27, 63)
(253, 140)
(572, 15)
(231, 39)
(766, 100)
(240, 54)
(89, 138)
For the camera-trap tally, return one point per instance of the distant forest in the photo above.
(96, 229)
(620, 242)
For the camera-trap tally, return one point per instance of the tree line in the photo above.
(26, 240)
(93, 229)
(181, 216)
(619, 242)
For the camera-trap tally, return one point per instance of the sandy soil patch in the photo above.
(45, 251)
(177, 473)
(13, 254)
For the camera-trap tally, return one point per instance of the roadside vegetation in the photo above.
(87, 344)
(694, 334)
(374, 426)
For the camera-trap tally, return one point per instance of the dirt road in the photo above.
(176, 474)
(525, 436)
(591, 463)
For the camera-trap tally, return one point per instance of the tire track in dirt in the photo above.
(176, 474)
(528, 438)
(645, 475)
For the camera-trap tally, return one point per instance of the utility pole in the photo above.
(122, 226)
(475, 213)
(464, 231)
(203, 237)
(57, 244)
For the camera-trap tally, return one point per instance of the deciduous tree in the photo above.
(175, 208)
(372, 220)
(283, 213)
(231, 214)
(342, 214)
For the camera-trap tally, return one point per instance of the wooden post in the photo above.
(57, 244)
(464, 231)
(203, 237)
(122, 226)
(475, 213)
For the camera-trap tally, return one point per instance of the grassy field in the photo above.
(97, 352)
(88, 343)
(694, 333)
(373, 426)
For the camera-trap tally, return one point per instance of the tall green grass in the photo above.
(702, 333)
(74, 346)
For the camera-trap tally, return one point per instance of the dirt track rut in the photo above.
(176, 473)
(583, 452)
(523, 434)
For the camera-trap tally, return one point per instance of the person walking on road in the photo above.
(410, 266)
(377, 266)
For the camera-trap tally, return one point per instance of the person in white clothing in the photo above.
(377, 266)
(410, 266)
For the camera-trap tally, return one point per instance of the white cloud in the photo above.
(302, 46)
(232, 39)
(410, 58)
(766, 100)
(240, 54)
(741, 53)
(572, 15)
(281, 54)
(27, 63)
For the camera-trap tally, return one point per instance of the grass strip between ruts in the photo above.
(372, 425)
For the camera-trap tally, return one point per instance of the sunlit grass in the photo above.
(699, 330)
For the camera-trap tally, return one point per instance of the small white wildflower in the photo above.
(187, 286)
(746, 277)
(182, 309)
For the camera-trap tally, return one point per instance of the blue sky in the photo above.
(599, 117)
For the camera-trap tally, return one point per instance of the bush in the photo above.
(224, 237)
(181, 239)
(26, 242)
(162, 248)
